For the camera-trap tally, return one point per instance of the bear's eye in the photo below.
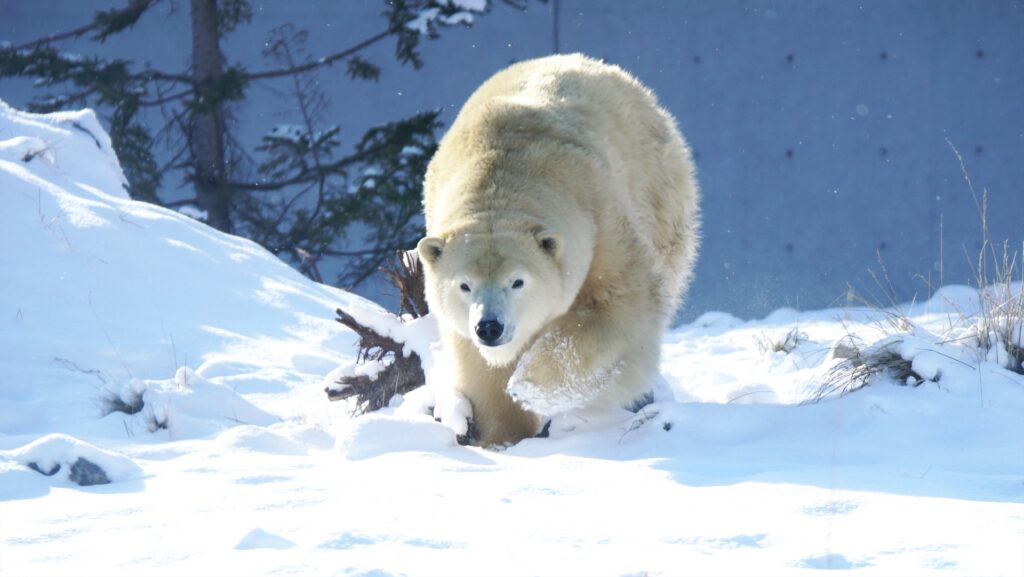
(518, 283)
(464, 287)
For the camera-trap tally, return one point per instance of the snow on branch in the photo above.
(446, 13)
(385, 365)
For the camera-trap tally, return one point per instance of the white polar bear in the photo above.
(562, 221)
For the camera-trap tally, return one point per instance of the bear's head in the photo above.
(497, 289)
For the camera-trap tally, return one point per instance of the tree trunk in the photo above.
(212, 194)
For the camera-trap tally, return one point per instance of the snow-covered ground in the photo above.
(235, 462)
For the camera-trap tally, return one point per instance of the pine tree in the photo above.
(307, 193)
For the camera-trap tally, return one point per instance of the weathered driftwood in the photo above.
(401, 373)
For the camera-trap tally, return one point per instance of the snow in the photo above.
(288, 132)
(461, 12)
(470, 5)
(233, 462)
(421, 23)
(192, 211)
(260, 539)
(459, 18)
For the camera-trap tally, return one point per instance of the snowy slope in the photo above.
(237, 464)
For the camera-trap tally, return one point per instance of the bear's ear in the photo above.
(430, 249)
(550, 242)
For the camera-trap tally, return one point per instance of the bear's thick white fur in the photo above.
(560, 206)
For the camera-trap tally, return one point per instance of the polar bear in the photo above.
(562, 229)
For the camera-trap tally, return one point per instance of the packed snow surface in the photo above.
(162, 412)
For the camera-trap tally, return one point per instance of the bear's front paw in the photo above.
(538, 382)
(453, 410)
(553, 378)
(470, 436)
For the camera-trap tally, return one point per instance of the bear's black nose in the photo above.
(489, 332)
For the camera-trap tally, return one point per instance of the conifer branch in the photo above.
(107, 22)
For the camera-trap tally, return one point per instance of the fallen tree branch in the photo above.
(400, 373)
(407, 276)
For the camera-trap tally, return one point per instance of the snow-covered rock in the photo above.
(74, 460)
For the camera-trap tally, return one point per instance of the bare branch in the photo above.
(308, 175)
(323, 61)
(367, 252)
(179, 203)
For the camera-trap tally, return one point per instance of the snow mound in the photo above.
(260, 539)
(106, 297)
(187, 406)
(70, 149)
(76, 461)
(260, 440)
(379, 433)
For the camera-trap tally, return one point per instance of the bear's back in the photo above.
(646, 187)
(569, 94)
(605, 109)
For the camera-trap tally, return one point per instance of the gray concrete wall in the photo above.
(821, 128)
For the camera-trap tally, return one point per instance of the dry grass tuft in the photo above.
(995, 331)
(777, 343)
(998, 329)
(128, 401)
(862, 365)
